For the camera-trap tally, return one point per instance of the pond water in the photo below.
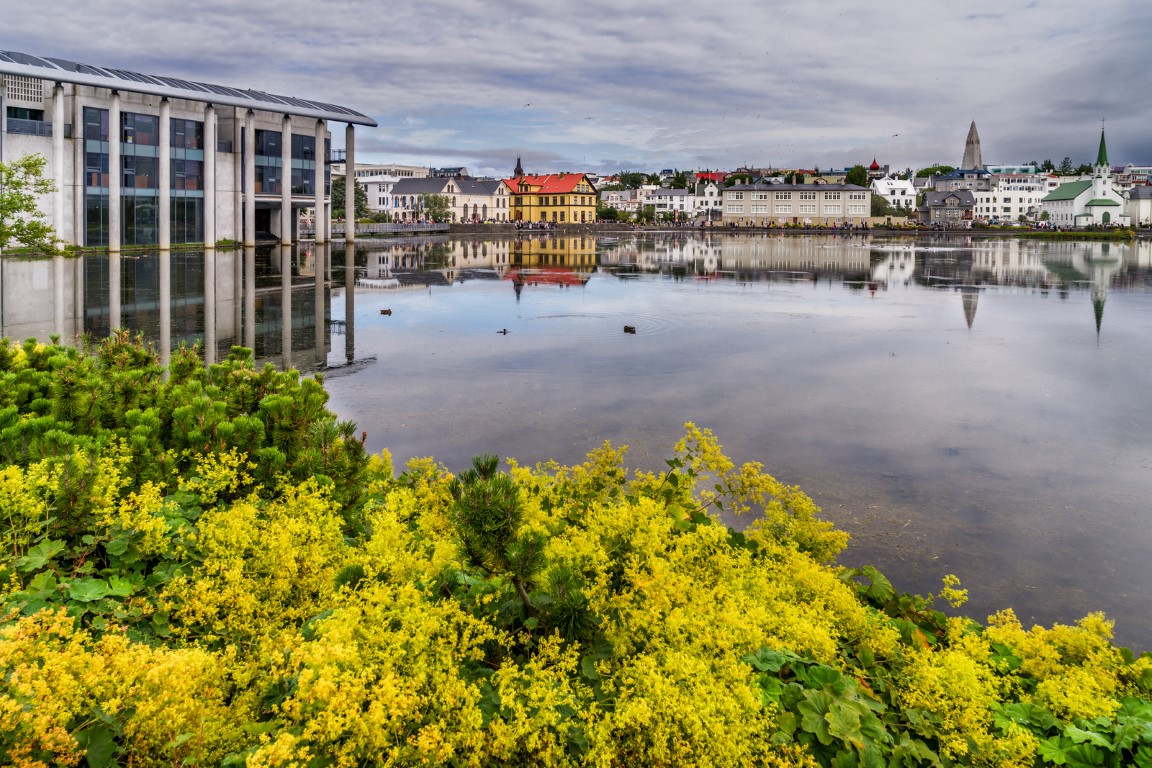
(967, 406)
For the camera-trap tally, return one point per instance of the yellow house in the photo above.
(554, 198)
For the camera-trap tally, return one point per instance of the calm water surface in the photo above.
(977, 408)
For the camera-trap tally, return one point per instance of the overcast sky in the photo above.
(611, 85)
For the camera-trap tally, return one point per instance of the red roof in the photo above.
(875, 165)
(546, 276)
(548, 184)
(716, 176)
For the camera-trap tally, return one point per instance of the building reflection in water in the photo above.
(278, 300)
(261, 298)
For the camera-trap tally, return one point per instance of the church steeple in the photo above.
(519, 170)
(972, 156)
(1102, 154)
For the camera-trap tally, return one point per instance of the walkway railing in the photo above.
(377, 229)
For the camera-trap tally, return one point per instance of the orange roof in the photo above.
(550, 183)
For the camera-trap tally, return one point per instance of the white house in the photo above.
(1011, 196)
(899, 193)
(709, 200)
(678, 202)
(1094, 202)
(1139, 205)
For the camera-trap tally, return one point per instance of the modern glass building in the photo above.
(148, 160)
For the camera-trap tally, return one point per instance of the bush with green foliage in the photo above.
(201, 566)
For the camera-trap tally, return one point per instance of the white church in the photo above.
(1090, 202)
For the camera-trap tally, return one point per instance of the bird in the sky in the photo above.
(526, 105)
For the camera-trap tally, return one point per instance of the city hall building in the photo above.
(147, 160)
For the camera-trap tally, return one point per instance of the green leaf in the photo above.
(812, 710)
(844, 724)
(88, 590)
(99, 745)
(120, 587)
(1080, 736)
(40, 555)
(1052, 750)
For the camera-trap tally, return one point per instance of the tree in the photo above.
(21, 220)
(1066, 167)
(436, 207)
(881, 206)
(1047, 166)
(631, 179)
(1083, 169)
(679, 181)
(338, 199)
(858, 175)
(934, 170)
(606, 212)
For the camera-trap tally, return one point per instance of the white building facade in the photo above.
(758, 205)
(146, 160)
(899, 193)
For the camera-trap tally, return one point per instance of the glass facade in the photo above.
(139, 136)
(268, 162)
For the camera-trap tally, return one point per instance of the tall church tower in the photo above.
(519, 170)
(1102, 172)
(972, 157)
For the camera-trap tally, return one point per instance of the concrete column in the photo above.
(58, 296)
(58, 160)
(210, 306)
(321, 328)
(237, 179)
(164, 175)
(165, 306)
(250, 297)
(286, 305)
(350, 302)
(320, 221)
(249, 179)
(209, 178)
(115, 177)
(350, 183)
(287, 225)
(114, 291)
(3, 115)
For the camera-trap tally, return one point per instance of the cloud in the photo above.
(786, 83)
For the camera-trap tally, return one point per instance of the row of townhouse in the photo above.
(556, 198)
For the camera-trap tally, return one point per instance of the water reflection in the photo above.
(268, 299)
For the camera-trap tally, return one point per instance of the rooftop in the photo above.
(64, 71)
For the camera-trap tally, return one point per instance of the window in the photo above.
(807, 209)
(736, 208)
(268, 143)
(832, 196)
(735, 195)
(808, 196)
(783, 195)
(855, 210)
(759, 208)
(832, 210)
(139, 129)
(783, 209)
